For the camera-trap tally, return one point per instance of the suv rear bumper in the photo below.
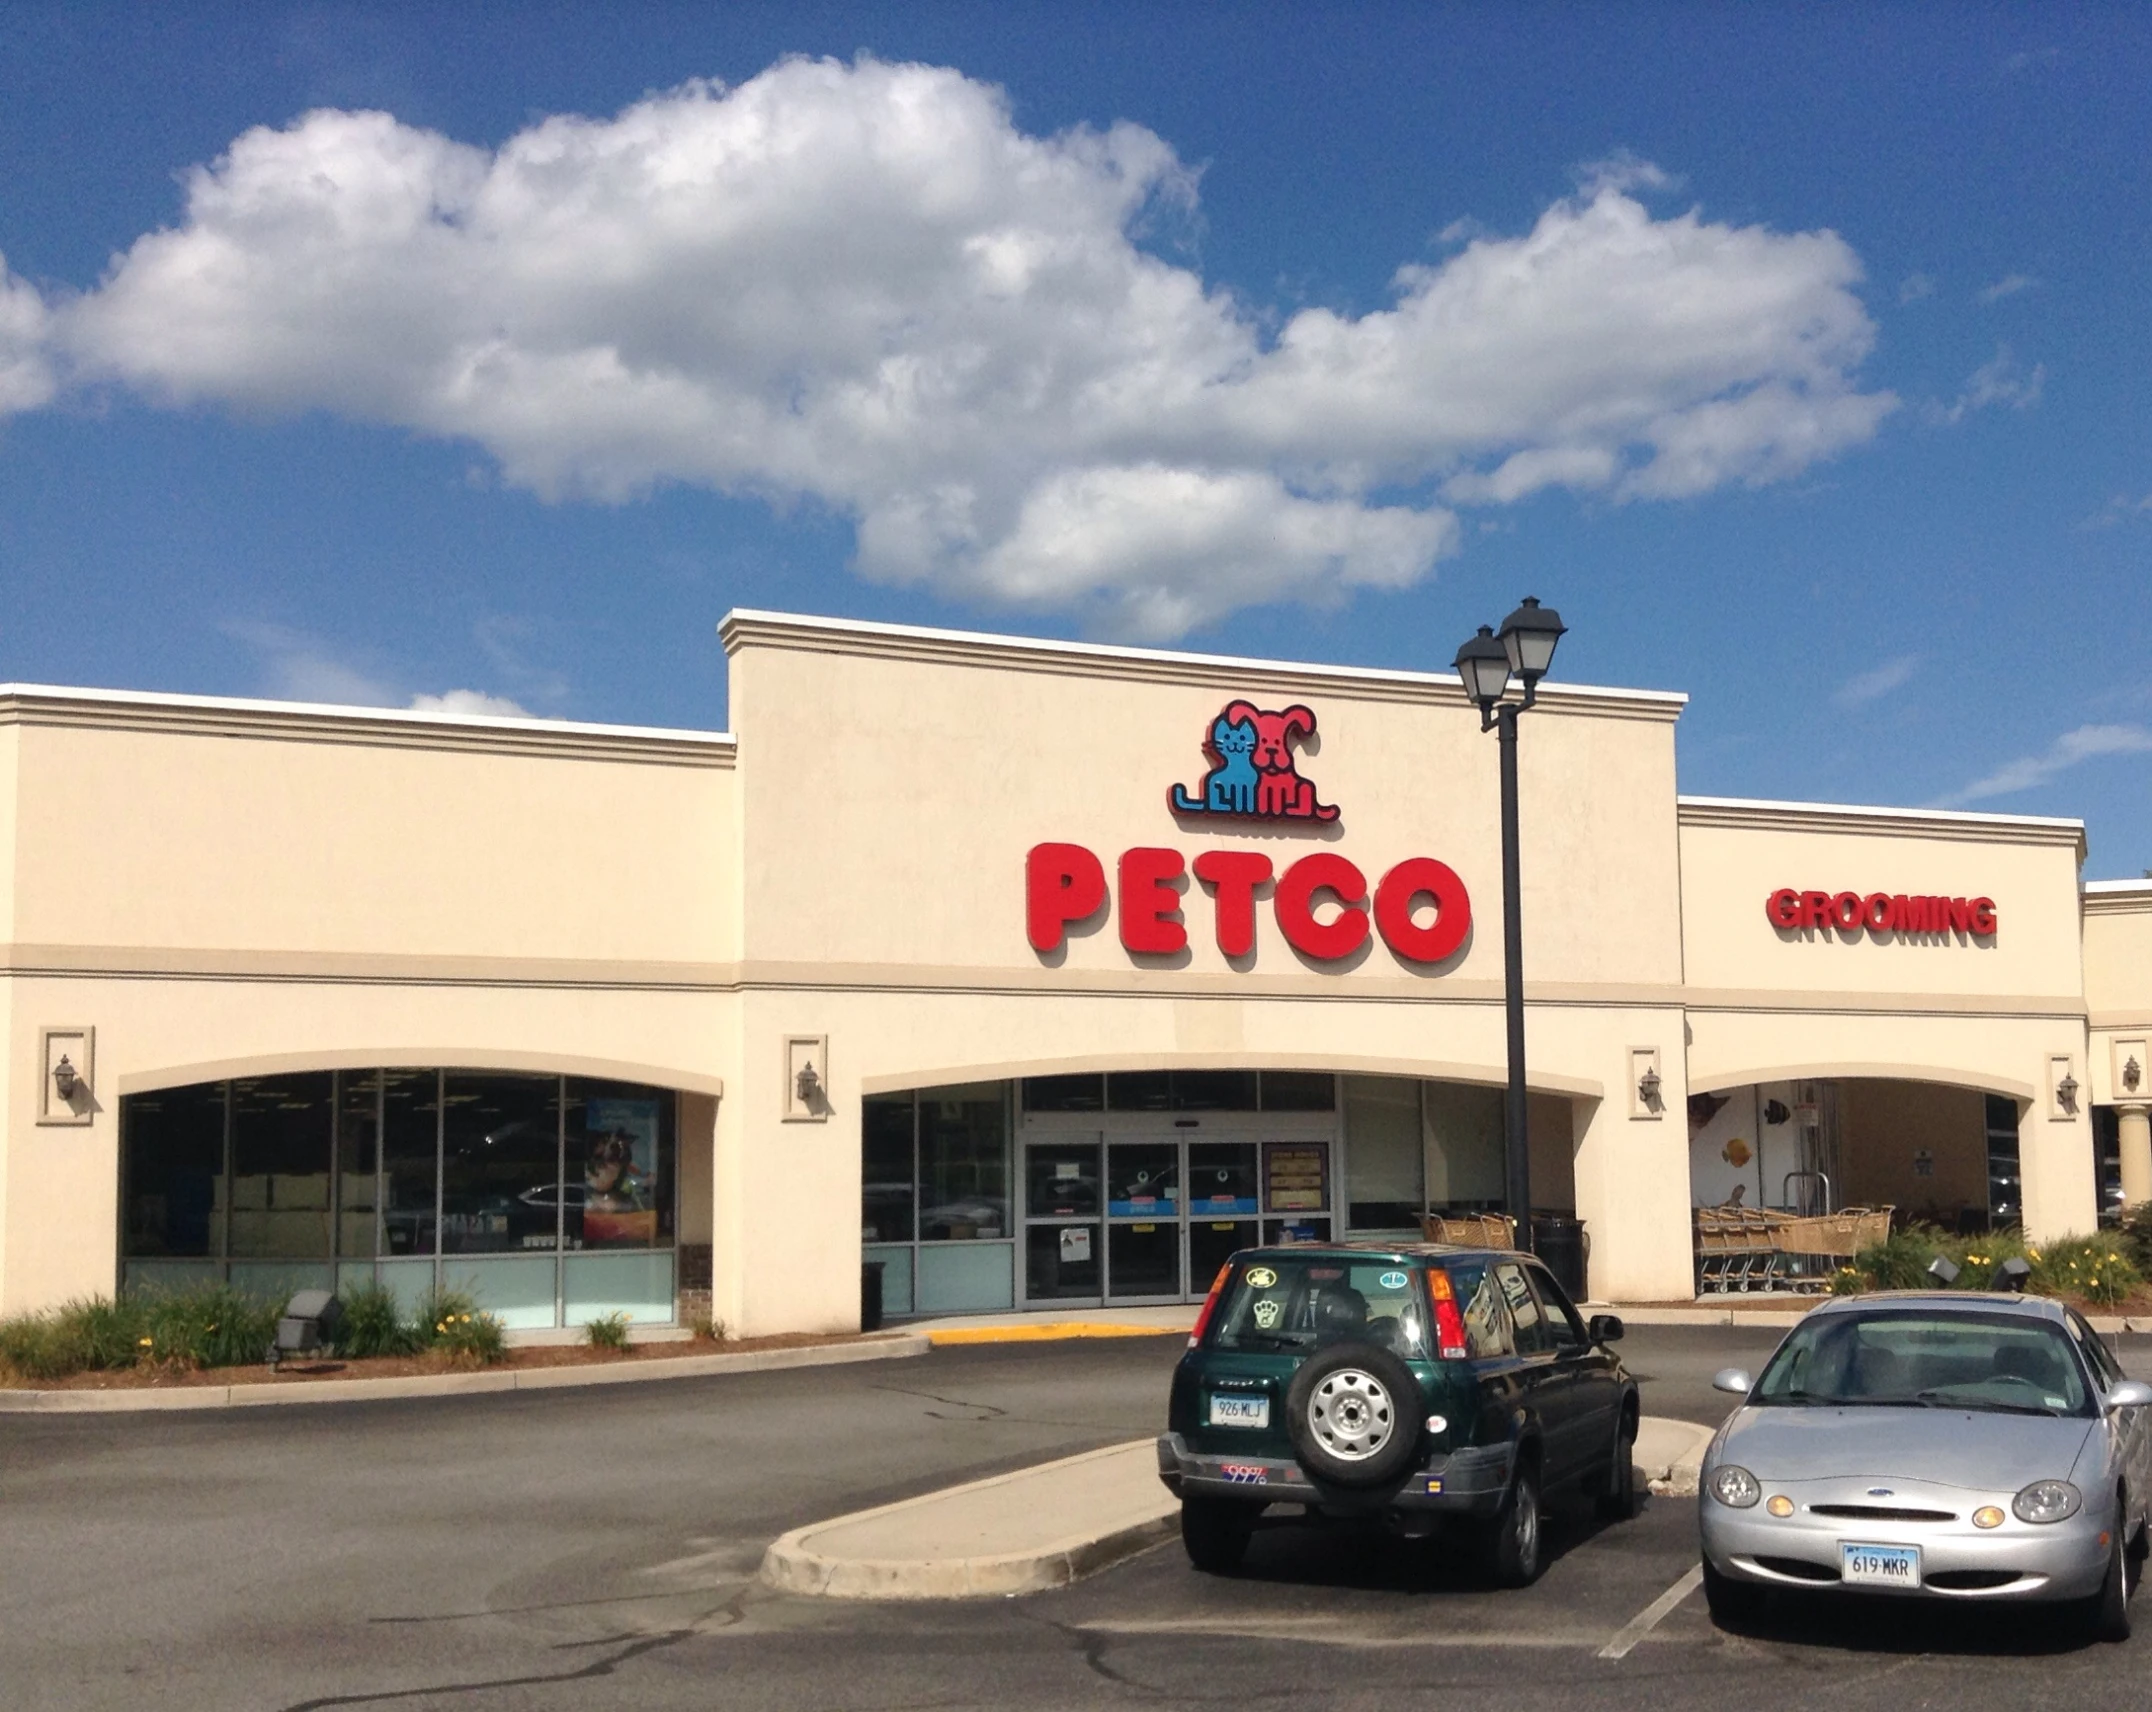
(1467, 1482)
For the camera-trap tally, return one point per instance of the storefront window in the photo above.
(887, 1168)
(410, 1159)
(1384, 1187)
(175, 1171)
(389, 1171)
(620, 1166)
(1299, 1091)
(1181, 1091)
(500, 1164)
(963, 1163)
(282, 1136)
(1065, 1093)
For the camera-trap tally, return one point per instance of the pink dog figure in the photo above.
(1280, 792)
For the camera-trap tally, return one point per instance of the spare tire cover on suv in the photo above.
(1353, 1411)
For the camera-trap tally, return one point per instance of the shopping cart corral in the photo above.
(1743, 1249)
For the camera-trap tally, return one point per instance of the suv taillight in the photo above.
(1210, 1305)
(1449, 1323)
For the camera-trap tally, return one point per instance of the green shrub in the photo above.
(2135, 1231)
(2093, 1268)
(374, 1325)
(1899, 1262)
(450, 1322)
(210, 1325)
(609, 1331)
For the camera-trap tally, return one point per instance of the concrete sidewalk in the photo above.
(269, 1392)
(1049, 1525)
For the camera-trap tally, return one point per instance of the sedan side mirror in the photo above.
(1604, 1328)
(2129, 1394)
(1732, 1379)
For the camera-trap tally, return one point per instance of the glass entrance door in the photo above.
(1222, 1204)
(1063, 1253)
(1143, 1221)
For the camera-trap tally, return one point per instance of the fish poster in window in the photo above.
(620, 1170)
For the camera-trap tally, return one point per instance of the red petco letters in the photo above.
(1065, 883)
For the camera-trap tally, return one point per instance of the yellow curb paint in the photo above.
(1052, 1330)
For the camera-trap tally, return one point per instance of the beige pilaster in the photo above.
(2135, 1124)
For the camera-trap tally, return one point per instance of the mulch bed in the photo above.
(404, 1366)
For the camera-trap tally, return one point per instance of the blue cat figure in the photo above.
(1229, 787)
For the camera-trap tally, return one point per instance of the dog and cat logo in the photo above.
(1254, 774)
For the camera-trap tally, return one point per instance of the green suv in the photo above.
(1420, 1384)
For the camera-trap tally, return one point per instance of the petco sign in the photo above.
(1321, 902)
(1066, 883)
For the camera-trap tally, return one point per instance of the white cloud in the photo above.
(26, 377)
(2086, 743)
(2008, 286)
(2118, 508)
(1999, 380)
(1873, 685)
(299, 667)
(1914, 287)
(863, 284)
(471, 701)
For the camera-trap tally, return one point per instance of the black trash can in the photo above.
(1560, 1241)
(870, 1295)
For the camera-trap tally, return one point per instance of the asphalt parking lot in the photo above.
(599, 1548)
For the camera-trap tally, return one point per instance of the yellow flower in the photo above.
(146, 1343)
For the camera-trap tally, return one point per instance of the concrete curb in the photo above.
(457, 1384)
(1670, 1455)
(1769, 1319)
(1050, 1331)
(809, 1560)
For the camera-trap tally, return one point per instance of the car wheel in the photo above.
(1513, 1537)
(2107, 1612)
(1731, 1601)
(1353, 1412)
(1617, 1491)
(1215, 1532)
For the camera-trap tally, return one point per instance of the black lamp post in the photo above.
(1524, 649)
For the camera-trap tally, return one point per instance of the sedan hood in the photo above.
(1952, 1447)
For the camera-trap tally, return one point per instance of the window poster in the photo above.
(620, 1173)
(1296, 1177)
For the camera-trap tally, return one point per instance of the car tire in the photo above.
(1617, 1486)
(1215, 1533)
(2107, 1612)
(1731, 1602)
(1353, 1413)
(1514, 1551)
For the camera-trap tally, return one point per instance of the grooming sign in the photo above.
(1323, 904)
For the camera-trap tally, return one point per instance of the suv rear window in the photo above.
(1300, 1304)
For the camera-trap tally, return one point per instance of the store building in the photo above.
(1039, 973)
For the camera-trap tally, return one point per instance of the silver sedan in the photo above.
(1954, 1446)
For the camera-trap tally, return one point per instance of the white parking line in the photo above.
(1651, 1616)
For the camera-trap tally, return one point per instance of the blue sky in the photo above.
(1798, 354)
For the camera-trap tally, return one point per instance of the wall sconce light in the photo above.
(2066, 1094)
(2011, 1275)
(1942, 1271)
(1647, 1089)
(2132, 1074)
(810, 1086)
(64, 1079)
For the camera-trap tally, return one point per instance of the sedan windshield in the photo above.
(1916, 1359)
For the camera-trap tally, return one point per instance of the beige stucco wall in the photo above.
(2118, 986)
(219, 888)
(891, 787)
(1767, 1004)
(219, 891)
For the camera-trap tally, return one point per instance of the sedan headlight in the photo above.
(2047, 1501)
(1733, 1486)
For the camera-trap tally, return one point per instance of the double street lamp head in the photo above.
(1524, 648)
